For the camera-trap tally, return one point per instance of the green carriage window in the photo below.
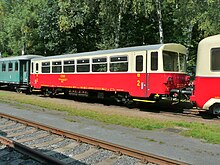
(16, 66)
(3, 67)
(10, 67)
(25, 67)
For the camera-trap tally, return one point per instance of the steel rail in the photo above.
(34, 154)
(143, 156)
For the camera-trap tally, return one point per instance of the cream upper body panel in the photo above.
(130, 52)
(203, 67)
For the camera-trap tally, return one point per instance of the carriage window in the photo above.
(99, 64)
(182, 62)
(69, 66)
(56, 67)
(37, 66)
(154, 61)
(215, 59)
(45, 67)
(25, 67)
(83, 65)
(119, 64)
(3, 67)
(10, 67)
(32, 67)
(16, 66)
(170, 61)
(139, 63)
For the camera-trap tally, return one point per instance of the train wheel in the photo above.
(18, 90)
(128, 101)
(215, 109)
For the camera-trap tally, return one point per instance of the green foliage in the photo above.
(51, 27)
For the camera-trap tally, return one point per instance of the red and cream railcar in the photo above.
(206, 93)
(141, 72)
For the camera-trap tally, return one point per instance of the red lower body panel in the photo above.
(136, 84)
(205, 89)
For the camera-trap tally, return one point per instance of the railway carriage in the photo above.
(206, 93)
(127, 74)
(14, 71)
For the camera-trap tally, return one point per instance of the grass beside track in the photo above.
(210, 133)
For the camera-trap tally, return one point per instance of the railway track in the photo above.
(41, 143)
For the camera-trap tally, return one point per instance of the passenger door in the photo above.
(24, 72)
(141, 73)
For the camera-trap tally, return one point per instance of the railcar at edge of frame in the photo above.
(206, 94)
(142, 73)
(15, 71)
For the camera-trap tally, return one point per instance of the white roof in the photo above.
(204, 56)
(119, 50)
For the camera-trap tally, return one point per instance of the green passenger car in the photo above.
(15, 71)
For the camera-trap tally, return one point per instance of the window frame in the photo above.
(212, 60)
(113, 62)
(10, 67)
(68, 65)
(100, 63)
(3, 67)
(154, 61)
(141, 64)
(16, 66)
(45, 65)
(56, 66)
(83, 63)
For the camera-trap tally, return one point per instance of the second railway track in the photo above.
(69, 148)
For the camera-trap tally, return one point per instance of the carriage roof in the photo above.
(112, 51)
(18, 58)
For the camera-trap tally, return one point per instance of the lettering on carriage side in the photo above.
(62, 78)
(138, 81)
(36, 79)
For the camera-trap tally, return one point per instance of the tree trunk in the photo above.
(159, 14)
(117, 35)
